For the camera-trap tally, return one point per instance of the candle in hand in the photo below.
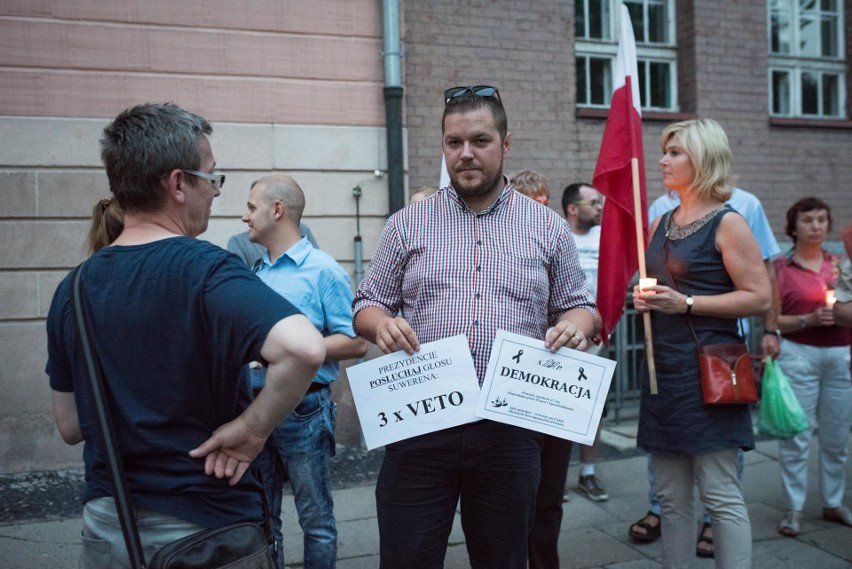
(645, 283)
(829, 298)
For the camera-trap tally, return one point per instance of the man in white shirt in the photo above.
(582, 206)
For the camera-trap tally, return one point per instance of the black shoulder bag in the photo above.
(237, 546)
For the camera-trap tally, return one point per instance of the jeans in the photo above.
(544, 537)
(299, 450)
(820, 379)
(491, 468)
(103, 542)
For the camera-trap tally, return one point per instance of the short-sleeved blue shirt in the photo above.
(313, 281)
(172, 322)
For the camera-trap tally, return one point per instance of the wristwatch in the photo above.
(803, 322)
(776, 333)
(689, 302)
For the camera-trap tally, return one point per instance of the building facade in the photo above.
(296, 87)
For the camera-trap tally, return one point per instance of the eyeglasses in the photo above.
(485, 91)
(593, 203)
(218, 180)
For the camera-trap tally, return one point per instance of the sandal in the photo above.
(789, 525)
(706, 540)
(652, 533)
(840, 515)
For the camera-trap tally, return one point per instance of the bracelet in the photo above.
(776, 333)
(803, 322)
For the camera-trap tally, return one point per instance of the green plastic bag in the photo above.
(780, 415)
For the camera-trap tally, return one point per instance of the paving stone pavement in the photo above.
(40, 523)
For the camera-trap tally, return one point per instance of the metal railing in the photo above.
(627, 348)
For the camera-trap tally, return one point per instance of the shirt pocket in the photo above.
(522, 279)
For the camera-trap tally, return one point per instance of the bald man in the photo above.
(301, 447)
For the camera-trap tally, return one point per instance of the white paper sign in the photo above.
(398, 396)
(561, 394)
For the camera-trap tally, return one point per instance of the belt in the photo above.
(312, 389)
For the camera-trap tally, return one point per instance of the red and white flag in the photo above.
(622, 142)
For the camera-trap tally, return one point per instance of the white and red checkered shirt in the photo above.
(449, 270)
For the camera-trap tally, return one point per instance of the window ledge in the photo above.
(583, 113)
(810, 123)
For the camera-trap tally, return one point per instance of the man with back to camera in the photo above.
(301, 447)
(473, 257)
(173, 318)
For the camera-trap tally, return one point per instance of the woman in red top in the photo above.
(815, 357)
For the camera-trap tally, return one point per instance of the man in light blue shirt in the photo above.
(251, 253)
(300, 448)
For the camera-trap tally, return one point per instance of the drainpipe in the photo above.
(393, 105)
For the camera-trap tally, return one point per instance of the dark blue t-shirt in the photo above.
(172, 322)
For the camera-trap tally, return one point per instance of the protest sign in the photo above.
(398, 396)
(561, 394)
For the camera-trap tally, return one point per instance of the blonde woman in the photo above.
(709, 272)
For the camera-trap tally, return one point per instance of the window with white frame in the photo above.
(596, 43)
(807, 67)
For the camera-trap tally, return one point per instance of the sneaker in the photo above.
(592, 489)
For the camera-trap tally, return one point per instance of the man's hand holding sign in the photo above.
(561, 393)
(403, 395)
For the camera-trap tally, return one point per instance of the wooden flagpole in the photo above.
(640, 246)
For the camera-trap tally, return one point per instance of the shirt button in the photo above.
(477, 295)
(476, 322)
(479, 241)
(478, 269)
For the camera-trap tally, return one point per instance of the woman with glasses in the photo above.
(709, 272)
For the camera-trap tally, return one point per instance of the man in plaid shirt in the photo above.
(475, 257)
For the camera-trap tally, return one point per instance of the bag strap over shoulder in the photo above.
(674, 285)
(124, 506)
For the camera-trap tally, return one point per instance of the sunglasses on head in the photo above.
(485, 91)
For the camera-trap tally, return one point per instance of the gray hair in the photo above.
(145, 143)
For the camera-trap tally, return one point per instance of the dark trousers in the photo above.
(490, 468)
(555, 455)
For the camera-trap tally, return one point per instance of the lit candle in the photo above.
(829, 298)
(645, 283)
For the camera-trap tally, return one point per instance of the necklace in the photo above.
(675, 231)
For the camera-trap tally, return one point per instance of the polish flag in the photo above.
(625, 217)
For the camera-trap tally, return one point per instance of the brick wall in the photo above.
(526, 48)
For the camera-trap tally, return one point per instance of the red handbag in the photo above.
(726, 374)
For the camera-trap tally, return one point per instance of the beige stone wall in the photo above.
(289, 86)
(51, 177)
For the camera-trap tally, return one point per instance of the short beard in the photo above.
(479, 190)
(586, 225)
